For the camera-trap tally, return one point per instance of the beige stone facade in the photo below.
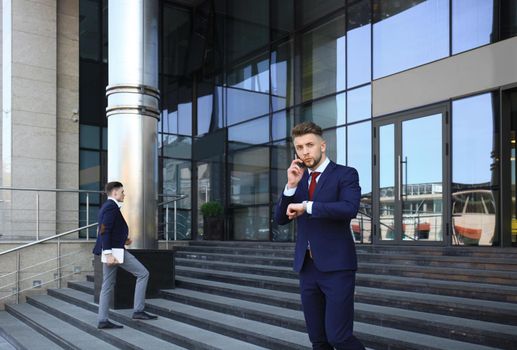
(40, 96)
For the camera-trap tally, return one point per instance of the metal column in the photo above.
(133, 113)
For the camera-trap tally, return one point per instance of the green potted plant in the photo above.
(213, 220)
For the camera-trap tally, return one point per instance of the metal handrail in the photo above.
(58, 258)
(47, 239)
(177, 197)
(54, 190)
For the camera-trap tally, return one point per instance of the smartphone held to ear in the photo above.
(300, 162)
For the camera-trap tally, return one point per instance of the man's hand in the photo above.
(294, 210)
(111, 260)
(128, 241)
(294, 174)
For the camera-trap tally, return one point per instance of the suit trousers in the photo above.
(328, 307)
(109, 276)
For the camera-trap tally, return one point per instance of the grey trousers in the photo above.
(109, 273)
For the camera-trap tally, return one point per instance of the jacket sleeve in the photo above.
(106, 227)
(281, 209)
(347, 205)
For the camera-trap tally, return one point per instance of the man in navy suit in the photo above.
(323, 199)
(113, 233)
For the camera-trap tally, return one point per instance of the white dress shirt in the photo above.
(288, 192)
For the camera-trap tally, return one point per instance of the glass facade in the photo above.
(236, 75)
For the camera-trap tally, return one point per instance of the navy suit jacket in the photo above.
(113, 230)
(335, 203)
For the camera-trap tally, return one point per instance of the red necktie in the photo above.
(312, 186)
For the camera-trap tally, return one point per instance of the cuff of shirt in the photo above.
(106, 252)
(309, 208)
(288, 192)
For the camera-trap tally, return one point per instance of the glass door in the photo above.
(409, 168)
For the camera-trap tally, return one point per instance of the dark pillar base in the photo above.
(160, 264)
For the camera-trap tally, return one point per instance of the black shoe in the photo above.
(108, 325)
(142, 315)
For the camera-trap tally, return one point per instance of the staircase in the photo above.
(244, 295)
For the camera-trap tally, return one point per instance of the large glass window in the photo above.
(359, 52)
(336, 144)
(327, 112)
(176, 181)
(281, 125)
(473, 199)
(359, 152)
(282, 76)
(176, 35)
(177, 106)
(324, 60)
(359, 104)
(250, 176)
(251, 223)
(282, 154)
(472, 24)
(408, 33)
(250, 133)
(312, 10)
(248, 90)
(246, 28)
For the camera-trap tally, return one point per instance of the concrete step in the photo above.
(442, 273)
(189, 336)
(418, 256)
(451, 288)
(83, 286)
(60, 332)
(126, 338)
(243, 244)
(242, 259)
(276, 253)
(484, 252)
(22, 336)
(373, 336)
(503, 336)
(260, 333)
(491, 262)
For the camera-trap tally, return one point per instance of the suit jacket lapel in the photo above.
(323, 177)
(304, 190)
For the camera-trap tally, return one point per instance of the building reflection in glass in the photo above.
(473, 199)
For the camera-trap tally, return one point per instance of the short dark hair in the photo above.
(306, 128)
(110, 186)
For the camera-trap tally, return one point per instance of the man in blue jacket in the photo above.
(323, 199)
(113, 233)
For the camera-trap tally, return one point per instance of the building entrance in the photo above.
(410, 163)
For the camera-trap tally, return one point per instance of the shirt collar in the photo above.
(322, 166)
(119, 204)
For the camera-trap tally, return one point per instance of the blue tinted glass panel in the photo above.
(359, 52)
(251, 223)
(177, 146)
(89, 136)
(360, 153)
(472, 24)
(282, 124)
(323, 60)
(336, 144)
(250, 176)
(243, 105)
(473, 200)
(248, 91)
(359, 104)
(250, 133)
(408, 33)
(328, 112)
(282, 76)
